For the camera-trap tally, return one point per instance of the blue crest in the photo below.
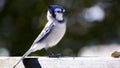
(55, 6)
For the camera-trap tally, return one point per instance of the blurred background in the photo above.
(93, 27)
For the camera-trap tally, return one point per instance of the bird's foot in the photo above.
(55, 55)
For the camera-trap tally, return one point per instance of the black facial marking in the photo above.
(59, 11)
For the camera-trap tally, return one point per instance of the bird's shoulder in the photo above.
(46, 30)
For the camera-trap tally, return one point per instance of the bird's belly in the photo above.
(57, 34)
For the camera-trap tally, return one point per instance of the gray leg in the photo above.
(50, 52)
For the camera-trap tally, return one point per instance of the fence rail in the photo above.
(62, 62)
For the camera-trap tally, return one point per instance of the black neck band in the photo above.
(60, 21)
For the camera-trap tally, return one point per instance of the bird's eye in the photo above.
(59, 11)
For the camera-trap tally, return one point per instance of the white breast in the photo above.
(56, 34)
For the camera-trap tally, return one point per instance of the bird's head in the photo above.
(56, 12)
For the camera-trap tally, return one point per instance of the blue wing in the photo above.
(45, 32)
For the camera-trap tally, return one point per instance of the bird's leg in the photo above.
(50, 53)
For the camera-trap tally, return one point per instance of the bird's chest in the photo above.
(56, 34)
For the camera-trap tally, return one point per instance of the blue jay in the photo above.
(52, 33)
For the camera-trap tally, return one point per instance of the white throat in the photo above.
(59, 16)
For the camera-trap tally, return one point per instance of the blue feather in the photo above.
(55, 6)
